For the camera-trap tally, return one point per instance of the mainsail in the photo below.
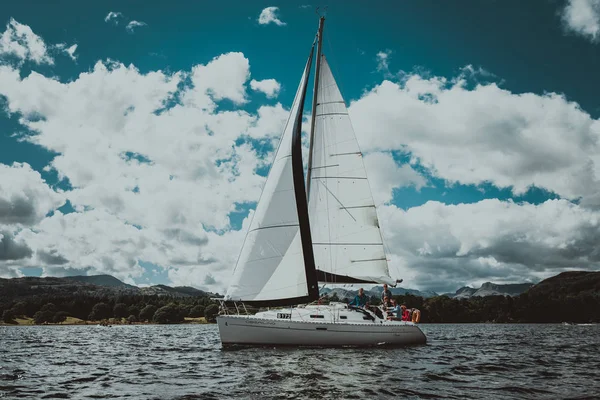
(347, 241)
(276, 263)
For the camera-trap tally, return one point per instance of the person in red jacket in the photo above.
(405, 313)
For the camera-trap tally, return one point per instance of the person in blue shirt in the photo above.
(394, 312)
(360, 300)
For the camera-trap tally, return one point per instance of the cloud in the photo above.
(114, 17)
(51, 257)
(583, 18)
(25, 198)
(484, 135)
(270, 87)
(20, 41)
(134, 24)
(385, 175)
(11, 250)
(224, 77)
(70, 51)
(383, 62)
(156, 167)
(443, 247)
(269, 15)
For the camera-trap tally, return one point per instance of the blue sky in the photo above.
(479, 124)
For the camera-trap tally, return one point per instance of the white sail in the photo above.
(345, 231)
(271, 263)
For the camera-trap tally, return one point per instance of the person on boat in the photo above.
(394, 312)
(386, 292)
(360, 300)
(386, 302)
(405, 313)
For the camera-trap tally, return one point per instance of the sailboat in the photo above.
(304, 232)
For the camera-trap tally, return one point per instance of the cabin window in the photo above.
(343, 317)
(317, 316)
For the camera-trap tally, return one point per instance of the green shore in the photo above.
(25, 321)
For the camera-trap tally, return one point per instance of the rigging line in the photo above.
(369, 259)
(272, 226)
(346, 244)
(327, 166)
(331, 113)
(338, 177)
(338, 200)
(331, 102)
(346, 154)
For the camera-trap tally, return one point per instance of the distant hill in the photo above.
(568, 283)
(100, 280)
(463, 293)
(181, 291)
(93, 285)
(399, 291)
(492, 289)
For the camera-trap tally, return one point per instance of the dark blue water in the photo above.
(187, 362)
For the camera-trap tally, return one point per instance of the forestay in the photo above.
(347, 241)
(271, 267)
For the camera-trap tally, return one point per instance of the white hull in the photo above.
(266, 330)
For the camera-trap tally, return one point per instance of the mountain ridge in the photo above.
(113, 284)
(95, 285)
(492, 289)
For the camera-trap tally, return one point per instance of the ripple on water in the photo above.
(187, 362)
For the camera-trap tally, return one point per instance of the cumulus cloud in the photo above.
(443, 247)
(270, 87)
(11, 249)
(25, 198)
(113, 16)
(20, 41)
(484, 134)
(223, 78)
(153, 163)
(132, 25)
(385, 175)
(583, 18)
(269, 15)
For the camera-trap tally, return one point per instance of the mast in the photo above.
(314, 103)
(302, 198)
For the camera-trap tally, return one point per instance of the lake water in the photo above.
(187, 362)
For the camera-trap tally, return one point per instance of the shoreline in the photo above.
(109, 322)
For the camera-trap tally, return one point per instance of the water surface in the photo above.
(187, 362)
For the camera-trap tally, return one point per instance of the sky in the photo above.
(135, 137)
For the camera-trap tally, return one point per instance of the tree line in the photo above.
(568, 297)
(51, 308)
